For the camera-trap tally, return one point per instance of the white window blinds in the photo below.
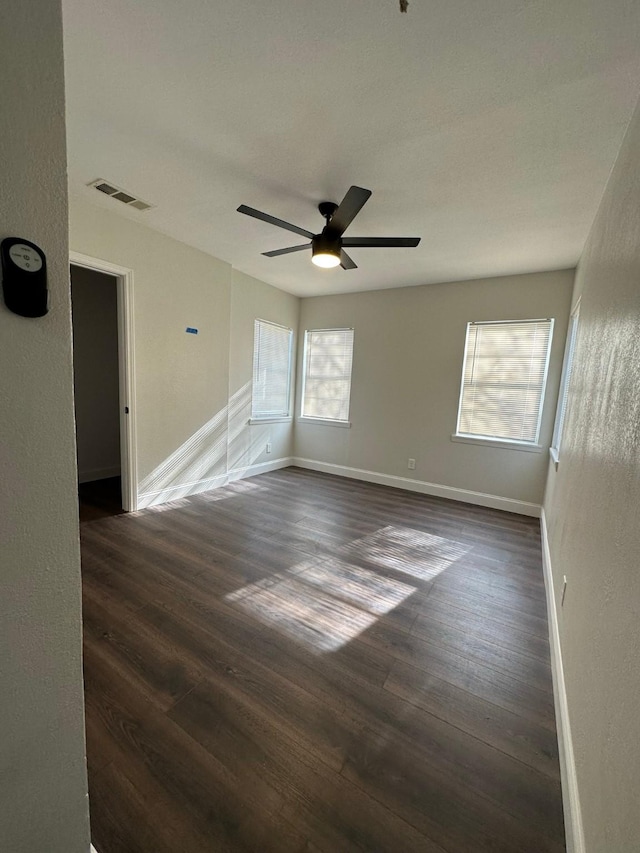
(503, 379)
(271, 370)
(327, 374)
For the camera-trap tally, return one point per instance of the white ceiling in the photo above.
(486, 127)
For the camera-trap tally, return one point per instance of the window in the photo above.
(503, 379)
(563, 396)
(328, 354)
(271, 371)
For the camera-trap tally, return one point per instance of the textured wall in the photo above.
(43, 804)
(95, 369)
(593, 514)
(407, 364)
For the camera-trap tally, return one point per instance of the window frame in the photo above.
(565, 380)
(310, 419)
(496, 441)
(273, 417)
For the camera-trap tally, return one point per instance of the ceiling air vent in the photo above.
(105, 188)
(119, 194)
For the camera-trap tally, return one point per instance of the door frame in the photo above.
(126, 372)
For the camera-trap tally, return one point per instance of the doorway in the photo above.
(101, 298)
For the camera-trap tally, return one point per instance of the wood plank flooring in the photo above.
(299, 662)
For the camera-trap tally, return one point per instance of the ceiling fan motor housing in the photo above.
(325, 244)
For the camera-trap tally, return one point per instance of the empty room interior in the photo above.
(320, 452)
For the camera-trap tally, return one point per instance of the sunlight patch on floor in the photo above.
(365, 589)
(321, 604)
(324, 603)
(412, 552)
(240, 487)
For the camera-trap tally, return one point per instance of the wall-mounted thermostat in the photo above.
(24, 277)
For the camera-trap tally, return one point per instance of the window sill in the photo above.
(496, 442)
(555, 458)
(325, 422)
(281, 420)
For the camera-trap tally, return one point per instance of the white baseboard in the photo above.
(182, 490)
(425, 488)
(570, 793)
(92, 849)
(185, 490)
(98, 474)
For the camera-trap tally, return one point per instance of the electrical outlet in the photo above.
(412, 465)
(268, 447)
(564, 589)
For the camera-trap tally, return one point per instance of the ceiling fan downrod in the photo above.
(327, 209)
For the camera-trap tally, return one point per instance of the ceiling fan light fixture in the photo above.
(325, 260)
(325, 252)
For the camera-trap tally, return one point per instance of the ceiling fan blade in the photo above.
(346, 262)
(272, 220)
(348, 209)
(277, 252)
(389, 242)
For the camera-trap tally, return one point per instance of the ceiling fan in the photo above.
(328, 247)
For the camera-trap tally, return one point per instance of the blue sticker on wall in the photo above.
(191, 331)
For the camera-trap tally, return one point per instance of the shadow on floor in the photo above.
(100, 499)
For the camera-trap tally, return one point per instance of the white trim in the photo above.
(565, 379)
(92, 849)
(259, 468)
(508, 322)
(267, 420)
(333, 329)
(324, 422)
(185, 490)
(98, 474)
(127, 373)
(497, 442)
(425, 488)
(571, 796)
(181, 490)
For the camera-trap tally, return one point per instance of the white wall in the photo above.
(592, 507)
(43, 790)
(193, 391)
(181, 379)
(186, 394)
(95, 369)
(408, 350)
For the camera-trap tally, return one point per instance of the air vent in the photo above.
(119, 194)
(127, 199)
(105, 188)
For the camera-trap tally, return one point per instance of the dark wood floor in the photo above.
(299, 662)
(100, 498)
